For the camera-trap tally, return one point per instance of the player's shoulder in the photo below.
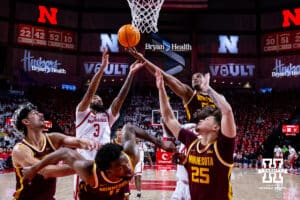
(20, 149)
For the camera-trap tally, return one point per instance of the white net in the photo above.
(145, 14)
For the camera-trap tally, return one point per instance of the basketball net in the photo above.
(145, 14)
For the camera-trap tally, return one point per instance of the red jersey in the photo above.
(40, 188)
(197, 101)
(209, 167)
(105, 189)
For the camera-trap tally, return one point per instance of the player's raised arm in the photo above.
(182, 90)
(165, 107)
(119, 100)
(228, 127)
(94, 84)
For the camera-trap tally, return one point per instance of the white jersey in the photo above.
(182, 190)
(181, 173)
(138, 170)
(96, 127)
(277, 152)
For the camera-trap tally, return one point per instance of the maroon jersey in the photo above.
(209, 167)
(105, 189)
(197, 101)
(40, 188)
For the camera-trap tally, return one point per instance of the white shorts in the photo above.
(138, 170)
(182, 191)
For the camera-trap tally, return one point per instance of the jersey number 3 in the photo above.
(200, 175)
(97, 130)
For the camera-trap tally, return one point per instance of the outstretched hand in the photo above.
(132, 50)
(205, 82)
(136, 66)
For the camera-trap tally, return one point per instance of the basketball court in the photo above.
(159, 184)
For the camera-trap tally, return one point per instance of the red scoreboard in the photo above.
(281, 41)
(48, 37)
(290, 130)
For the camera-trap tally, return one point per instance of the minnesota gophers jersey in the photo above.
(104, 189)
(197, 101)
(40, 188)
(209, 167)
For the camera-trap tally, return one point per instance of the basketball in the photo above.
(128, 35)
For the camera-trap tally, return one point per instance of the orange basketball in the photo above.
(128, 35)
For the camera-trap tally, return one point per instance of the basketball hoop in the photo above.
(145, 14)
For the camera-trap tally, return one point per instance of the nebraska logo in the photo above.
(228, 44)
(289, 17)
(46, 14)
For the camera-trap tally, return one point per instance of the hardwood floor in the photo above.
(158, 185)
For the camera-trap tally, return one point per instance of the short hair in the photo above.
(107, 154)
(205, 112)
(20, 114)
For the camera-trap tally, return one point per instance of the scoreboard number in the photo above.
(25, 33)
(40, 36)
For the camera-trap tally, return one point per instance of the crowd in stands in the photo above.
(257, 116)
(8, 136)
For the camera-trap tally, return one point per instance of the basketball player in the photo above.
(107, 176)
(193, 98)
(292, 157)
(92, 120)
(35, 146)
(210, 159)
(138, 170)
(277, 152)
(118, 138)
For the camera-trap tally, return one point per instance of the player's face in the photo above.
(121, 168)
(97, 104)
(197, 81)
(35, 119)
(207, 125)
